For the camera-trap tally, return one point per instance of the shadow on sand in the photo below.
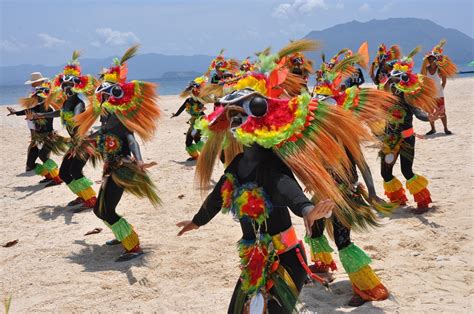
(186, 163)
(53, 212)
(26, 174)
(98, 258)
(406, 212)
(315, 296)
(30, 189)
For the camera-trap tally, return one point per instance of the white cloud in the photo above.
(364, 8)
(116, 38)
(50, 41)
(11, 45)
(284, 10)
(340, 6)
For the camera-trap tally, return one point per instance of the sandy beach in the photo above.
(425, 261)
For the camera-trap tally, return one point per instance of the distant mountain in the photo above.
(406, 32)
(150, 65)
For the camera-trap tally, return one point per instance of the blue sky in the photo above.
(46, 31)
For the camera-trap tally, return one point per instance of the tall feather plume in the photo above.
(207, 158)
(346, 67)
(75, 55)
(298, 46)
(130, 53)
(441, 43)
(396, 52)
(414, 52)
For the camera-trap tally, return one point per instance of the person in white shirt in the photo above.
(439, 67)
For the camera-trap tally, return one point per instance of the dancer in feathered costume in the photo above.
(383, 63)
(125, 108)
(438, 67)
(282, 138)
(194, 106)
(416, 97)
(222, 68)
(44, 140)
(72, 88)
(300, 65)
(246, 66)
(369, 106)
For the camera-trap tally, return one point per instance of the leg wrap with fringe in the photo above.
(123, 231)
(53, 172)
(395, 191)
(83, 188)
(364, 280)
(321, 252)
(418, 187)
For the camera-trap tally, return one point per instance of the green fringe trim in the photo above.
(284, 294)
(353, 258)
(39, 169)
(191, 149)
(199, 145)
(79, 185)
(50, 165)
(135, 181)
(319, 245)
(121, 229)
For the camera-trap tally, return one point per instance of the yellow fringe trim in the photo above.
(417, 184)
(86, 194)
(365, 278)
(131, 241)
(392, 185)
(54, 173)
(324, 257)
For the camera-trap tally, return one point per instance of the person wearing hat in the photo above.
(44, 139)
(70, 88)
(439, 67)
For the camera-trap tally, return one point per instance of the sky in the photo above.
(45, 32)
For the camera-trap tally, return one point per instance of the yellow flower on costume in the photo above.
(252, 83)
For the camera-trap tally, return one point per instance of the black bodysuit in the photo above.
(407, 148)
(262, 166)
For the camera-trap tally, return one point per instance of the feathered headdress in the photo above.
(307, 134)
(446, 67)
(418, 90)
(299, 64)
(71, 74)
(223, 64)
(194, 87)
(134, 102)
(40, 93)
(384, 55)
(246, 65)
(271, 75)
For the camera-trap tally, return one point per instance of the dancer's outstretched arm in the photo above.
(181, 109)
(209, 209)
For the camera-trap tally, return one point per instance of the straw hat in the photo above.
(36, 77)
